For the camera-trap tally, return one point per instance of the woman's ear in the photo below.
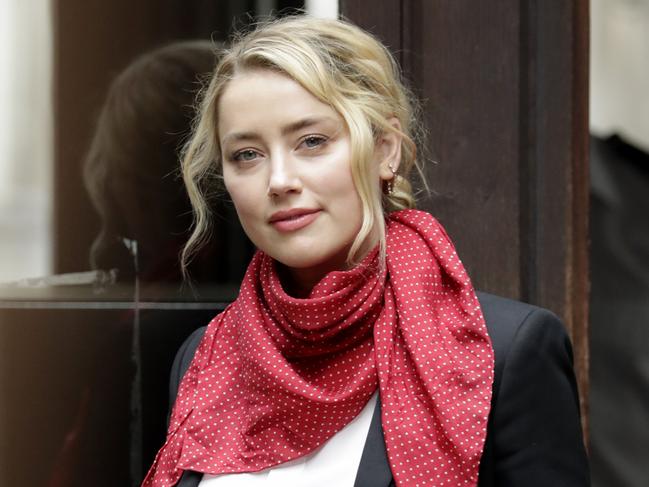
(388, 151)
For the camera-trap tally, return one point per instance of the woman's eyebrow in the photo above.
(286, 130)
(304, 123)
(240, 136)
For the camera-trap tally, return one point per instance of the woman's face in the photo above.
(286, 165)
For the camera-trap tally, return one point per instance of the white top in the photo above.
(334, 463)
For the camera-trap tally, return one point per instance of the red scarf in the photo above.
(275, 377)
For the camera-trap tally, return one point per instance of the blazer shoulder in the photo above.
(534, 435)
(182, 360)
(180, 365)
(509, 321)
(504, 318)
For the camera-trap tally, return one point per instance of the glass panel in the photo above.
(93, 216)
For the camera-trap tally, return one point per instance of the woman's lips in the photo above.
(291, 220)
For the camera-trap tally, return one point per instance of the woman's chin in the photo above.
(301, 264)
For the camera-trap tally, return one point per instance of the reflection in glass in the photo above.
(132, 175)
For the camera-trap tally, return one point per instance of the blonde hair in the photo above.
(344, 67)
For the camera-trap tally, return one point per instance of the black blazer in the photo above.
(534, 436)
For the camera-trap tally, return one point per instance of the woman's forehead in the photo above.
(257, 100)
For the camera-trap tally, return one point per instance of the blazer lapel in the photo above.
(190, 479)
(374, 469)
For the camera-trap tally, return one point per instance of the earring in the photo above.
(389, 184)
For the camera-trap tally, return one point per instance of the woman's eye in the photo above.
(245, 155)
(313, 141)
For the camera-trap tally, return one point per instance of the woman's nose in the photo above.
(283, 176)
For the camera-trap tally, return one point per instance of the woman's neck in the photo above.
(299, 282)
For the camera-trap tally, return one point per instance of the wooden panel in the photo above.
(385, 22)
(554, 162)
(467, 52)
(579, 284)
(505, 86)
(455, 53)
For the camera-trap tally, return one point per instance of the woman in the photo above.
(357, 352)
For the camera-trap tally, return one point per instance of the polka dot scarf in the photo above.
(275, 377)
